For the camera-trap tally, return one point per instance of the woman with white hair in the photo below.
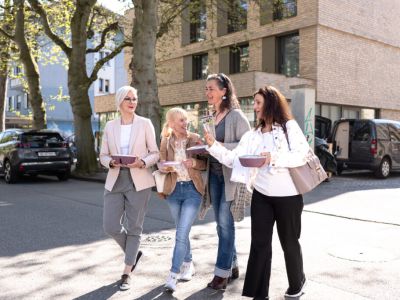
(128, 186)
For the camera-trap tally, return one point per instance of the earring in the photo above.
(223, 97)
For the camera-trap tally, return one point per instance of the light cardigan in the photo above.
(281, 158)
(142, 143)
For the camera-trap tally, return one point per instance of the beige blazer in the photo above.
(142, 144)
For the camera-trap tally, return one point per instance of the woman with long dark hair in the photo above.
(230, 125)
(275, 198)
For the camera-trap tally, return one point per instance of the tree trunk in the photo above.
(3, 95)
(31, 69)
(78, 86)
(144, 77)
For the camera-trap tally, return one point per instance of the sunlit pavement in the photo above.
(53, 246)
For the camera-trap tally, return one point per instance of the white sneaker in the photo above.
(170, 285)
(187, 271)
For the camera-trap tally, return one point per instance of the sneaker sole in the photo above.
(299, 293)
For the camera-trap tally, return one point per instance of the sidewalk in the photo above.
(349, 249)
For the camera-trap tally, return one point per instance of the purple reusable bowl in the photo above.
(252, 161)
(198, 149)
(124, 159)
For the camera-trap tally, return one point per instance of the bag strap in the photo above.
(286, 135)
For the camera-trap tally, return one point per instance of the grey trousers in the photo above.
(123, 214)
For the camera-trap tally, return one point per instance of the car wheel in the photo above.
(384, 168)
(63, 176)
(10, 175)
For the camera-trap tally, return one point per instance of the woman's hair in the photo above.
(121, 94)
(275, 109)
(171, 115)
(224, 81)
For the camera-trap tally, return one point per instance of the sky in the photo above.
(116, 5)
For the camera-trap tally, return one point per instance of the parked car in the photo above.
(33, 152)
(367, 144)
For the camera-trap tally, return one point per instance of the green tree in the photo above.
(87, 21)
(25, 39)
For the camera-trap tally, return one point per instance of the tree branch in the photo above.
(111, 27)
(47, 29)
(7, 35)
(100, 63)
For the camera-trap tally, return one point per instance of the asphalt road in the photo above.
(52, 244)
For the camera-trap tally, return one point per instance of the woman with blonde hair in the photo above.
(128, 186)
(183, 190)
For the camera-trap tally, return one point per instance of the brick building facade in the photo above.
(348, 51)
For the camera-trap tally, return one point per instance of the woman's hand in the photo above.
(137, 164)
(114, 164)
(188, 163)
(267, 158)
(209, 138)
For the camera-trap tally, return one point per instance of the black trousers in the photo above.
(265, 210)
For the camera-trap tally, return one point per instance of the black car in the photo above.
(367, 144)
(33, 152)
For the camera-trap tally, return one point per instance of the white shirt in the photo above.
(125, 138)
(273, 180)
(278, 184)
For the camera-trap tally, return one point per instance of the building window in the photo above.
(106, 86)
(101, 87)
(288, 55)
(18, 102)
(237, 15)
(198, 21)
(103, 54)
(10, 103)
(26, 101)
(239, 59)
(247, 106)
(284, 9)
(17, 70)
(200, 66)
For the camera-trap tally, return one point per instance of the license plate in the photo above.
(47, 154)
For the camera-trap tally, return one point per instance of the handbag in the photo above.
(159, 178)
(309, 175)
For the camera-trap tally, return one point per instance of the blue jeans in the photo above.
(184, 203)
(226, 257)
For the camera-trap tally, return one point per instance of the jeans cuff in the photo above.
(222, 273)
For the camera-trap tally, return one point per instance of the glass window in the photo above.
(101, 85)
(394, 132)
(10, 103)
(200, 66)
(362, 131)
(288, 55)
(247, 106)
(26, 101)
(382, 131)
(18, 102)
(106, 86)
(198, 21)
(284, 9)
(239, 59)
(237, 15)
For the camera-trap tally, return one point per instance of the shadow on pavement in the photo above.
(105, 292)
(206, 293)
(157, 293)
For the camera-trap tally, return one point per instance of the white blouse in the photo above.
(125, 138)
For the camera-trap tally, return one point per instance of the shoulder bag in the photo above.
(309, 175)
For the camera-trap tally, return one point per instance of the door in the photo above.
(394, 129)
(360, 142)
(341, 140)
